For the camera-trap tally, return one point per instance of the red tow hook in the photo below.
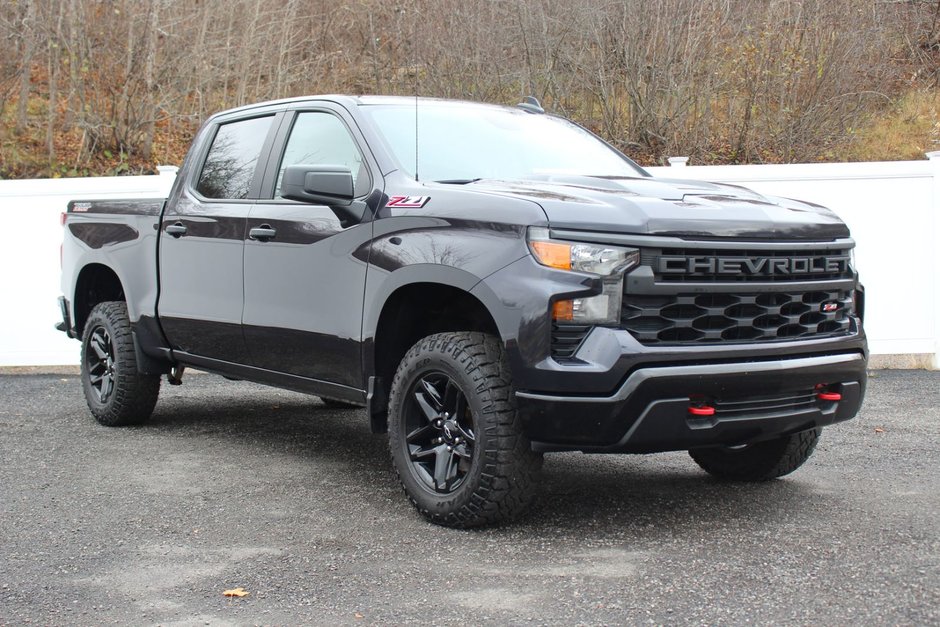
(701, 410)
(825, 394)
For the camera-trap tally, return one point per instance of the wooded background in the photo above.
(114, 86)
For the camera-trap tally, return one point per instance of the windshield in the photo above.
(460, 142)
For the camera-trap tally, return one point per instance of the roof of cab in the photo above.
(350, 101)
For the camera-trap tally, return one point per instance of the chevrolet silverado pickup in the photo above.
(490, 283)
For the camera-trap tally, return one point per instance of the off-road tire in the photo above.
(499, 469)
(761, 461)
(116, 393)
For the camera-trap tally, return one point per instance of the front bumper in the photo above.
(649, 412)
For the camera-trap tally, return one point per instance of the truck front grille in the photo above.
(720, 265)
(745, 317)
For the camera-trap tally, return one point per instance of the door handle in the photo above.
(262, 233)
(176, 230)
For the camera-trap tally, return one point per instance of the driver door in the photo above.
(304, 270)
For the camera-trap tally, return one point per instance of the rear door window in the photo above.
(232, 158)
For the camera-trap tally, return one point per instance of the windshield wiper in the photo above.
(459, 181)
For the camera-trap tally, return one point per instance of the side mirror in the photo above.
(319, 184)
(330, 185)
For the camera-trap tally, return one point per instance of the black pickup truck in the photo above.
(490, 283)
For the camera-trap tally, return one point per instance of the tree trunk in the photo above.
(53, 110)
(28, 38)
(150, 110)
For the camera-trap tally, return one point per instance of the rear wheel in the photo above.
(761, 461)
(116, 393)
(455, 434)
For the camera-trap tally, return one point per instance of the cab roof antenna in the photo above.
(531, 104)
(414, 68)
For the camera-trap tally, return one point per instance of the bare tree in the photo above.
(28, 44)
(720, 80)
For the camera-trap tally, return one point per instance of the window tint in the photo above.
(320, 138)
(230, 164)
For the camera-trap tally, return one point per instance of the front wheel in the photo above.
(116, 393)
(455, 435)
(761, 461)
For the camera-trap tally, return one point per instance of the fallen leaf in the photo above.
(358, 616)
(235, 592)
(879, 430)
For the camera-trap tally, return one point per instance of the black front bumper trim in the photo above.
(649, 412)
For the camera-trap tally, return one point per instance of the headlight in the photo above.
(610, 263)
(580, 256)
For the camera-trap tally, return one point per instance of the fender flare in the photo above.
(411, 275)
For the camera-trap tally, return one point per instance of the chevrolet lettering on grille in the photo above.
(767, 266)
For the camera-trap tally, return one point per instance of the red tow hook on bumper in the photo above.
(823, 393)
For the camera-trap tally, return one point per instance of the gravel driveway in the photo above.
(237, 485)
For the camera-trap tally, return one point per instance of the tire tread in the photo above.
(763, 461)
(510, 469)
(135, 394)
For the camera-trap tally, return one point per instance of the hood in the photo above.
(673, 207)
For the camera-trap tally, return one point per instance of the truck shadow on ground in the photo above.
(636, 495)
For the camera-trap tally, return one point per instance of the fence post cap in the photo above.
(679, 162)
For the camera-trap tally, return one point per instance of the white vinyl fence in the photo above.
(29, 259)
(892, 208)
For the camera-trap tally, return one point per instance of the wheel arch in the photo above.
(413, 310)
(96, 283)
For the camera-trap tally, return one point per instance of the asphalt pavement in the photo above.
(236, 485)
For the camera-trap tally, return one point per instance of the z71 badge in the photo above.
(408, 202)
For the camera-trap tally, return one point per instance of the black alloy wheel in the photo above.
(99, 362)
(439, 427)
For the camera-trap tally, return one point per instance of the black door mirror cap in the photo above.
(330, 185)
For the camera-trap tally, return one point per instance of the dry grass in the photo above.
(904, 132)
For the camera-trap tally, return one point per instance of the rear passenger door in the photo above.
(305, 273)
(203, 240)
